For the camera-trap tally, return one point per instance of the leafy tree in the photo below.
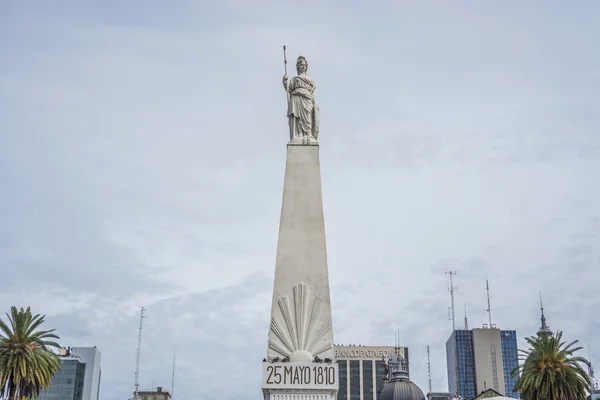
(550, 371)
(26, 362)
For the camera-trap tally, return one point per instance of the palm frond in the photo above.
(26, 364)
(550, 371)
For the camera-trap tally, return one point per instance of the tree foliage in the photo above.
(550, 370)
(27, 363)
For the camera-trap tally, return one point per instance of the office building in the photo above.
(159, 394)
(510, 361)
(481, 359)
(79, 375)
(362, 371)
(68, 383)
(91, 357)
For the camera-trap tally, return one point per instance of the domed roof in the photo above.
(399, 386)
(401, 390)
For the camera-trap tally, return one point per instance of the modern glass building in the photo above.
(91, 357)
(68, 383)
(461, 364)
(79, 375)
(361, 370)
(474, 364)
(510, 361)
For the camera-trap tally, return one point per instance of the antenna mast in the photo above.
(139, 349)
(429, 367)
(466, 322)
(489, 309)
(451, 289)
(173, 378)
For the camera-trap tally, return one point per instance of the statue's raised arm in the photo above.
(303, 112)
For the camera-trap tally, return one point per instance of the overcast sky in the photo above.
(142, 152)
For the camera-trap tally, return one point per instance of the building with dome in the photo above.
(399, 386)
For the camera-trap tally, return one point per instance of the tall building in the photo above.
(68, 383)
(510, 361)
(299, 362)
(481, 359)
(91, 357)
(362, 370)
(461, 364)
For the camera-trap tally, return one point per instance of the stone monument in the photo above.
(300, 355)
(303, 111)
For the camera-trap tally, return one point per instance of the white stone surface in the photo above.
(303, 111)
(301, 324)
(296, 376)
(301, 307)
(306, 395)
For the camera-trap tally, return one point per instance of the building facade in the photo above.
(68, 383)
(439, 396)
(91, 357)
(159, 394)
(510, 361)
(361, 370)
(481, 359)
(78, 377)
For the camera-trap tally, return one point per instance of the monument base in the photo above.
(300, 381)
(274, 394)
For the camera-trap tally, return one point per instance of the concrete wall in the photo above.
(488, 360)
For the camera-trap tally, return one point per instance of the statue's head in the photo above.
(301, 65)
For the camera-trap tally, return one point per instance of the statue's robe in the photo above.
(303, 111)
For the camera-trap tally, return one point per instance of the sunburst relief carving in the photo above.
(302, 327)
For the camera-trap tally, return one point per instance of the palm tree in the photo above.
(550, 371)
(26, 362)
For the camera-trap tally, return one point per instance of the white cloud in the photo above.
(142, 155)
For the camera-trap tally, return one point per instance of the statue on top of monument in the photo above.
(303, 111)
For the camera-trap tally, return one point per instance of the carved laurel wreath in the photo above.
(298, 331)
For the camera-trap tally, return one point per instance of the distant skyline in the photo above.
(142, 151)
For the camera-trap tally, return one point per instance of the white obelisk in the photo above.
(300, 356)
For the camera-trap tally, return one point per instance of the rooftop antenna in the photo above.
(139, 349)
(489, 309)
(466, 322)
(451, 289)
(429, 368)
(173, 378)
